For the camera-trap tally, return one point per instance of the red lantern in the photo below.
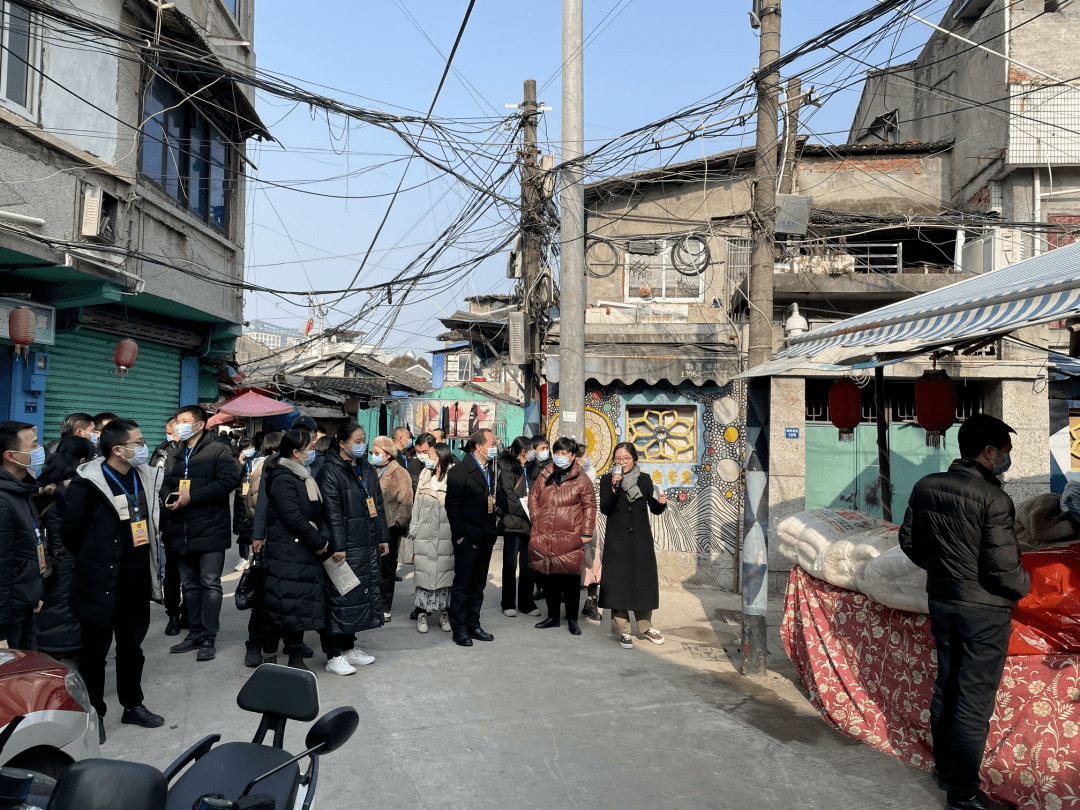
(22, 328)
(845, 408)
(126, 352)
(935, 405)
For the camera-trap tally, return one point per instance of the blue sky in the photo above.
(646, 60)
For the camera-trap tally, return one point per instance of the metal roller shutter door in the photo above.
(82, 377)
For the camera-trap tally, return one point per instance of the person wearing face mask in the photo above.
(403, 445)
(295, 588)
(354, 523)
(470, 508)
(110, 524)
(514, 526)
(161, 453)
(397, 496)
(562, 505)
(424, 444)
(199, 480)
(538, 459)
(74, 424)
(959, 527)
(429, 533)
(22, 543)
(100, 421)
(241, 522)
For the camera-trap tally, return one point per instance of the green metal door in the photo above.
(82, 377)
(845, 474)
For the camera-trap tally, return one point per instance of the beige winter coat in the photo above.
(430, 534)
(397, 496)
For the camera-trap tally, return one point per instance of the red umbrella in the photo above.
(253, 405)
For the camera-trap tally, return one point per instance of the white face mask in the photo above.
(249, 453)
(544, 455)
(139, 455)
(493, 452)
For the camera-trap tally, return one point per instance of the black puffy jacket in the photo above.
(295, 593)
(58, 631)
(241, 523)
(20, 574)
(513, 519)
(204, 524)
(348, 527)
(959, 527)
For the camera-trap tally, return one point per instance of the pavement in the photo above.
(541, 719)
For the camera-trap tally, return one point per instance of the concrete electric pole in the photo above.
(755, 548)
(532, 203)
(572, 239)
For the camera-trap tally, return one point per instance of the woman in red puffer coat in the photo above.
(562, 506)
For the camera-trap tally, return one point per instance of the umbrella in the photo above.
(253, 406)
(220, 419)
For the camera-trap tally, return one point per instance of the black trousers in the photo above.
(562, 588)
(334, 644)
(294, 639)
(470, 578)
(256, 624)
(389, 565)
(130, 621)
(971, 647)
(515, 565)
(172, 595)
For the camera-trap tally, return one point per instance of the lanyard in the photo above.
(134, 501)
(484, 468)
(247, 463)
(526, 477)
(359, 473)
(187, 460)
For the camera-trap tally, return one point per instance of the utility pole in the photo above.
(572, 230)
(792, 103)
(532, 202)
(755, 549)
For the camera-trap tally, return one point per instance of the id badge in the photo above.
(491, 504)
(185, 487)
(41, 556)
(140, 536)
(246, 488)
(371, 510)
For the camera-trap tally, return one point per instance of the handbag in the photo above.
(250, 587)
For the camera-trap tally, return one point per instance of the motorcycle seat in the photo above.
(227, 769)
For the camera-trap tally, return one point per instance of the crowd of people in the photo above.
(95, 527)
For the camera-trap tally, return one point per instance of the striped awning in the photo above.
(1035, 291)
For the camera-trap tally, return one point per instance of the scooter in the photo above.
(230, 776)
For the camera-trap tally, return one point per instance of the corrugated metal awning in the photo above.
(1035, 291)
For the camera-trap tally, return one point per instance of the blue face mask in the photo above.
(310, 457)
(429, 462)
(183, 431)
(532, 456)
(249, 453)
(376, 459)
(493, 452)
(408, 444)
(1002, 468)
(358, 450)
(562, 462)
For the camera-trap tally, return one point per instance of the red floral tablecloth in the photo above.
(869, 670)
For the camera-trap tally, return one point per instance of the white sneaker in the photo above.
(509, 612)
(339, 666)
(653, 635)
(421, 623)
(626, 642)
(444, 621)
(386, 618)
(358, 657)
(240, 566)
(533, 612)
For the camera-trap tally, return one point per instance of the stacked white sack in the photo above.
(805, 536)
(842, 563)
(894, 580)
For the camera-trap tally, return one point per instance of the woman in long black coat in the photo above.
(58, 631)
(357, 538)
(295, 593)
(630, 580)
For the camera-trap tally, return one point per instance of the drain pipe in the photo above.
(21, 219)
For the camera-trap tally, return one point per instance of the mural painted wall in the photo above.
(690, 441)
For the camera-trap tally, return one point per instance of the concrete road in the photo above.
(542, 719)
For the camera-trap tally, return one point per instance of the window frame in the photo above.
(33, 59)
(636, 411)
(665, 246)
(165, 109)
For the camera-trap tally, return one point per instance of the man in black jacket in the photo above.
(470, 508)
(959, 527)
(199, 481)
(22, 546)
(110, 525)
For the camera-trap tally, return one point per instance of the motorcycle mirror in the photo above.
(332, 730)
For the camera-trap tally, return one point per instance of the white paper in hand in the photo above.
(341, 575)
(525, 506)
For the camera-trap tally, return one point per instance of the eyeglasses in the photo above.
(136, 444)
(623, 459)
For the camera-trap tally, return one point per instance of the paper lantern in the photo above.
(845, 408)
(22, 328)
(935, 405)
(126, 352)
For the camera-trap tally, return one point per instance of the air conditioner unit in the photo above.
(515, 259)
(98, 215)
(519, 355)
(995, 249)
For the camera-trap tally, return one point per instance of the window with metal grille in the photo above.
(649, 274)
(738, 258)
(185, 155)
(900, 396)
(663, 433)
